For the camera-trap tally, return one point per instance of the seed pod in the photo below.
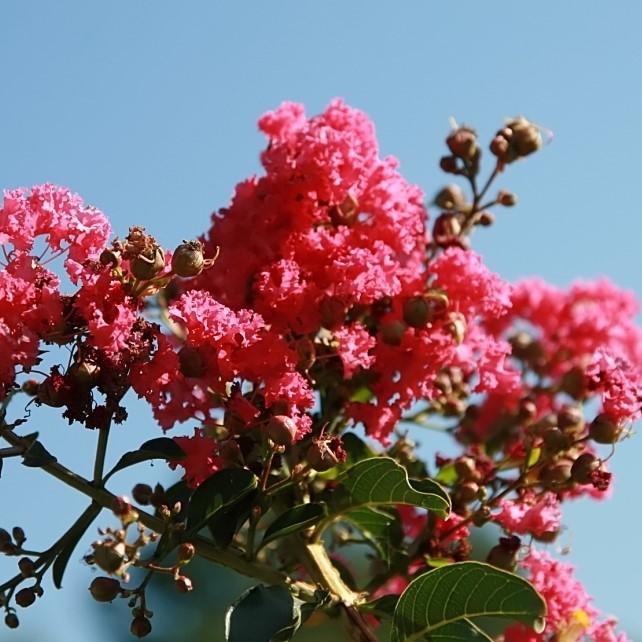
(282, 430)
(104, 589)
(466, 469)
(507, 199)
(468, 491)
(18, 535)
(416, 312)
(188, 259)
(604, 431)
(462, 142)
(557, 474)
(448, 164)
(26, 567)
(450, 197)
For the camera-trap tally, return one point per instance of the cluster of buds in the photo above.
(517, 139)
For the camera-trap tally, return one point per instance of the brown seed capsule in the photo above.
(191, 362)
(282, 430)
(584, 467)
(555, 440)
(142, 494)
(104, 589)
(604, 431)
(11, 620)
(141, 627)
(109, 257)
(148, 265)
(184, 584)
(25, 597)
(188, 259)
(556, 474)
(392, 333)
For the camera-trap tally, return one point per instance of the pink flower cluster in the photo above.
(571, 614)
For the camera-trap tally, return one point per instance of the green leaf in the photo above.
(382, 529)
(447, 474)
(356, 449)
(260, 614)
(225, 523)
(461, 591)
(461, 631)
(37, 455)
(381, 480)
(159, 448)
(71, 540)
(217, 492)
(383, 606)
(293, 520)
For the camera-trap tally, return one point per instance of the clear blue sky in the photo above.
(148, 110)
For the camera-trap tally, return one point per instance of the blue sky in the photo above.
(148, 110)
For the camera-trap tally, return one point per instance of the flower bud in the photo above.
(462, 142)
(25, 597)
(392, 333)
(505, 198)
(468, 491)
(517, 139)
(448, 164)
(191, 362)
(282, 430)
(604, 431)
(583, 468)
(11, 620)
(466, 469)
(84, 373)
(30, 387)
(141, 627)
(450, 197)
(18, 535)
(142, 494)
(446, 229)
(570, 420)
(481, 516)
(456, 327)
(104, 589)
(148, 265)
(184, 584)
(109, 257)
(186, 552)
(486, 219)
(188, 259)
(26, 566)
(555, 440)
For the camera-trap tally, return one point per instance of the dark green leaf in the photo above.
(217, 492)
(225, 523)
(381, 480)
(71, 541)
(462, 591)
(259, 614)
(356, 449)
(293, 520)
(159, 448)
(461, 631)
(382, 529)
(37, 455)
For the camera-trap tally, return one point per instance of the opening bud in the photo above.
(148, 264)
